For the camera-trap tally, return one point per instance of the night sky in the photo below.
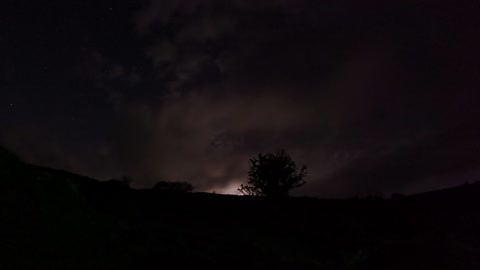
(374, 96)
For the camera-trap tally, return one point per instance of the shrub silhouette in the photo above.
(273, 175)
(169, 186)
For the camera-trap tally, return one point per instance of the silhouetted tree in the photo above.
(273, 175)
(173, 186)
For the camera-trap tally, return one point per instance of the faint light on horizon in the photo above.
(230, 189)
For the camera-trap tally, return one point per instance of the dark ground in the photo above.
(56, 220)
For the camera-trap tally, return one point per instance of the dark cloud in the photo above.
(201, 137)
(374, 97)
(358, 84)
(442, 159)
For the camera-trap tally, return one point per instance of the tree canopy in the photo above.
(273, 175)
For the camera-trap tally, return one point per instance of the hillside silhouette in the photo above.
(53, 219)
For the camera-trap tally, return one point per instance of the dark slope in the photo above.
(445, 228)
(461, 193)
(57, 220)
